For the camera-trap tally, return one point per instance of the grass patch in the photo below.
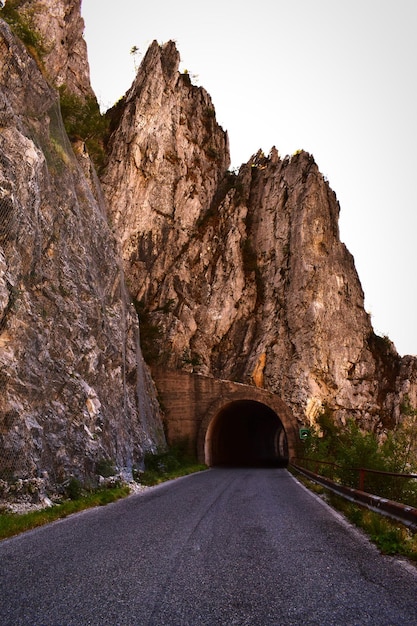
(168, 464)
(152, 477)
(12, 523)
(390, 537)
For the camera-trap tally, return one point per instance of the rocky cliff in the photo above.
(236, 275)
(75, 392)
(241, 275)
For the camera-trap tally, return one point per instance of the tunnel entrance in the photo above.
(246, 433)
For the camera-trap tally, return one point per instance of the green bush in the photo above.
(350, 448)
(168, 463)
(105, 468)
(23, 29)
(149, 332)
(83, 120)
(74, 489)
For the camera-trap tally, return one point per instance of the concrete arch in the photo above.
(195, 405)
(261, 429)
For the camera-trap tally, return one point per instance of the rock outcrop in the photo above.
(241, 276)
(75, 392)
(55, 31)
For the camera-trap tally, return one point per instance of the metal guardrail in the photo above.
(362, 471)
(403, 513)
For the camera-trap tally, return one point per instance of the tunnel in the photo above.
(246, 433)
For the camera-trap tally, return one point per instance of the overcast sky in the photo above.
(334, 77)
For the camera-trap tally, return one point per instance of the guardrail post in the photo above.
(361, 479)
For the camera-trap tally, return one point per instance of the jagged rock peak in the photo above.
(163, 58)
(171, 153)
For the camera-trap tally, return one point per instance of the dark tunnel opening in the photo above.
(250, 434)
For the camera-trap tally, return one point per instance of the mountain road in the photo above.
(224, 547)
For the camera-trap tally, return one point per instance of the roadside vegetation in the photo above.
(337, 452)
(159, 467)
(14, 523)
(390, 537)
(167, 464)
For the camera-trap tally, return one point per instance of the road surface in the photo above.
(221, 548)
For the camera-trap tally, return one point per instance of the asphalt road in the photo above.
(224, 547)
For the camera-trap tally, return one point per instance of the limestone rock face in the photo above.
(74, 390)
(60, 27)
(172, 155)
(241, 276)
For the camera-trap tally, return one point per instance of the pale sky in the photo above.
(334, 77)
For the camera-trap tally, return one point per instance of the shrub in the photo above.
(190, 358)
(23, 29)
(351, 448)
(149, 332)
(165, 464)
(73, 489)
(83, 120)
(105, 468)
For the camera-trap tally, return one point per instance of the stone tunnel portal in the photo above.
(246, 433)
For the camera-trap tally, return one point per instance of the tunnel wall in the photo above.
(190, 403)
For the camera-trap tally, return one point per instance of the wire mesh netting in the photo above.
(73, 385)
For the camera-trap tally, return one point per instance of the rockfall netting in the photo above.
(75, 395)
